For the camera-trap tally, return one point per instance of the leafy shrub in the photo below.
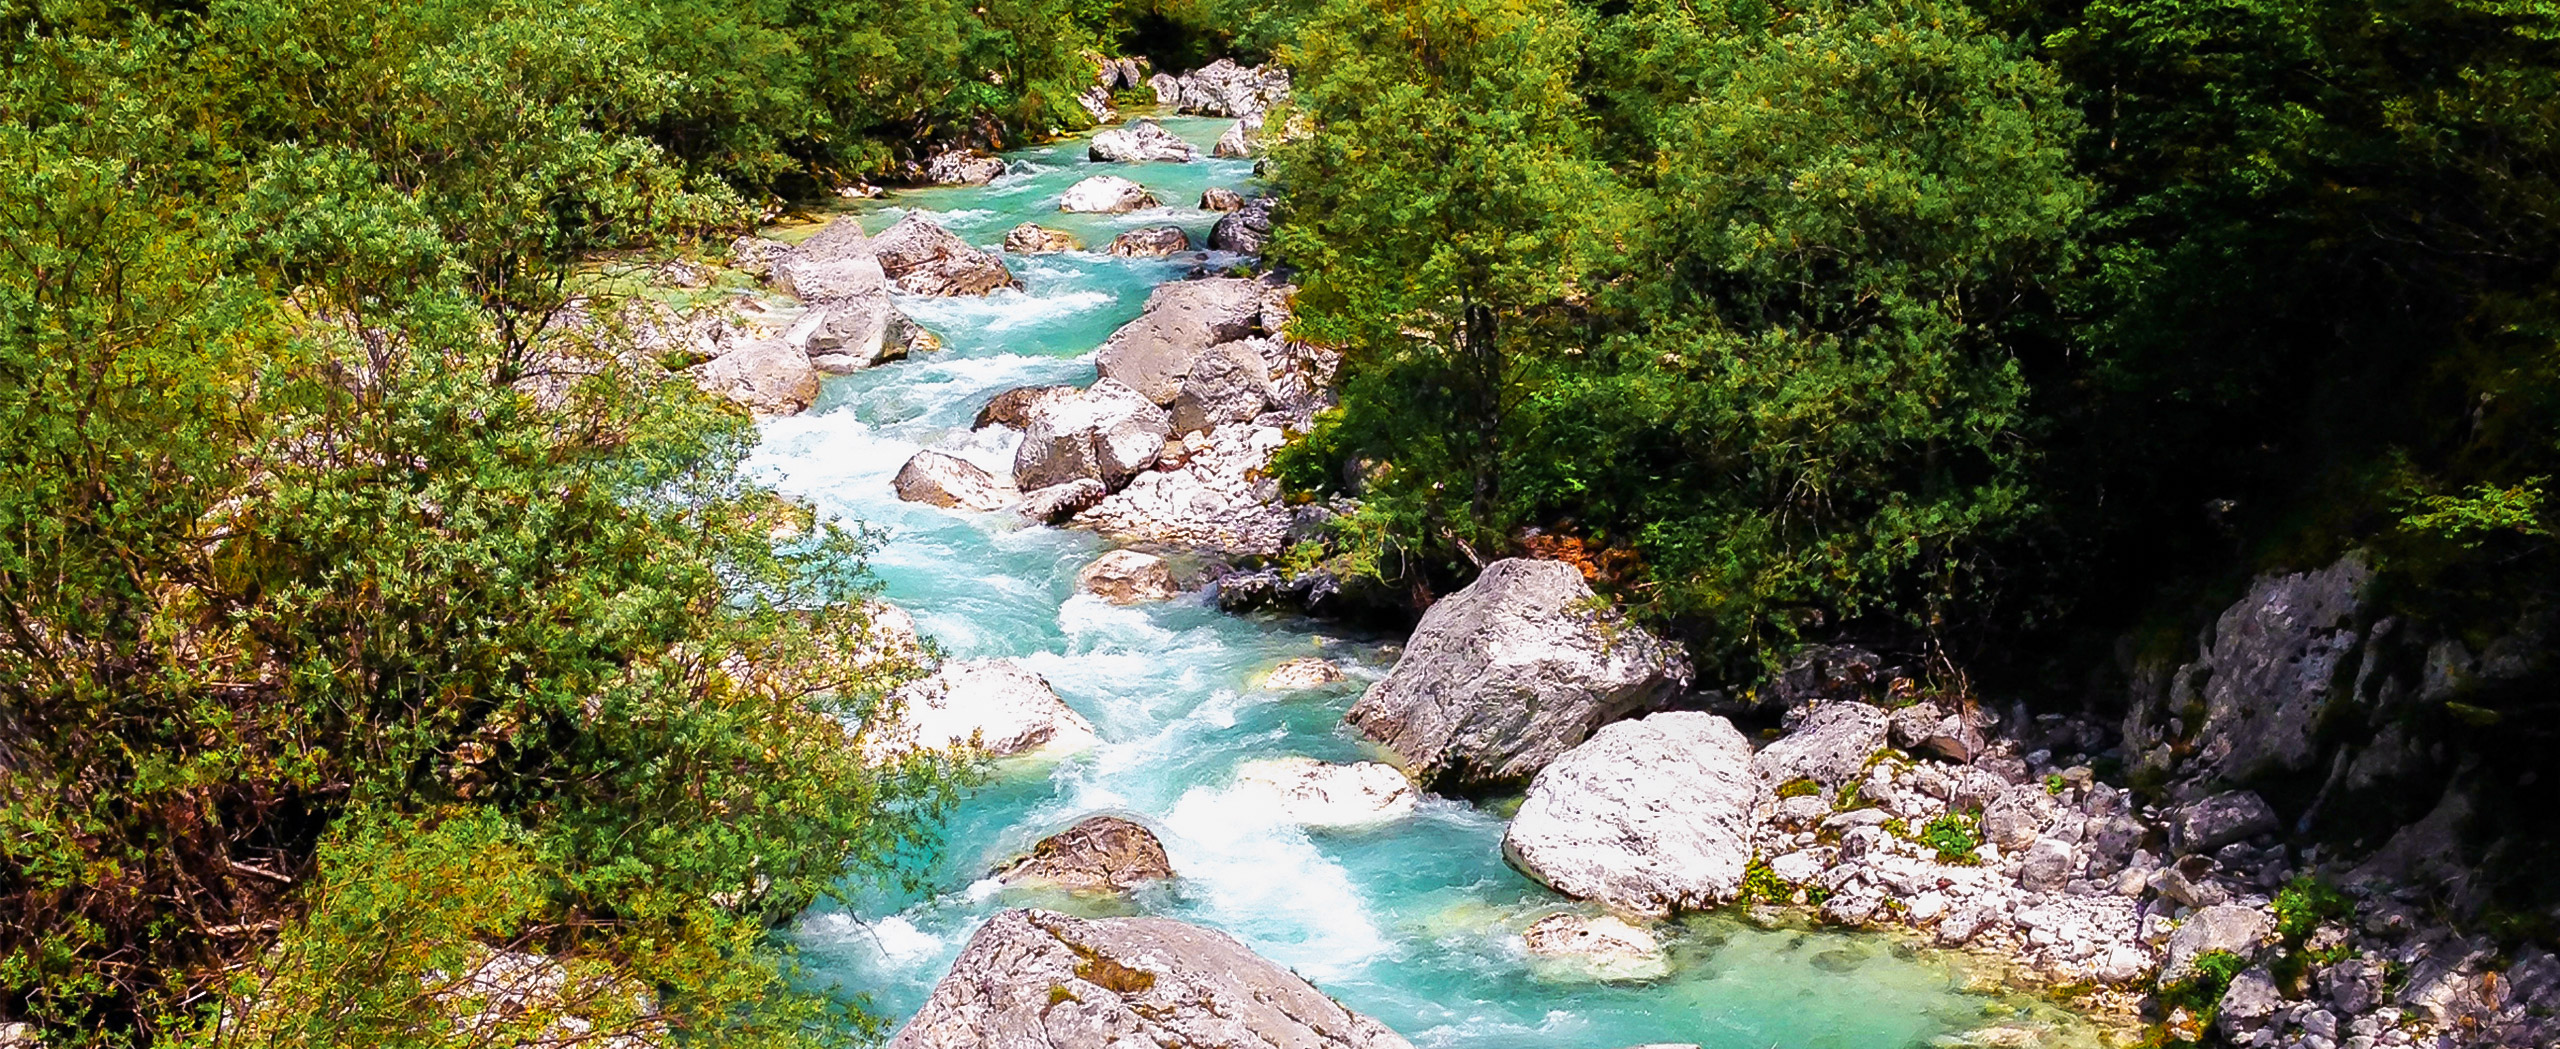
(1956, 836)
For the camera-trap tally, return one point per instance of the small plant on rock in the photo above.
(1956, 836)
(1799, 787)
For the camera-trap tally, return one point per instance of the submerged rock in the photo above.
(1151, 242)
(995, 706)
(1106, 194)
(1314, 793)
(1035, 979)
(1127, 577)
(1603, 948)
(1031, 238)
(1143, 141)
(938, 479)
(1649, 816)
(1098, 854)
(1301, 672)
(921, 258)
(1505, 675)
(1106, 433)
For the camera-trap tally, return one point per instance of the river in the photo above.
(1416, 922)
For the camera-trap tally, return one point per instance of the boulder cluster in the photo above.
(1169, 444)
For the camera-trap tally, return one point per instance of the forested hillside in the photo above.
(371, 596)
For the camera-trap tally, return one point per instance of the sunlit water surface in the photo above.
(1417, 922)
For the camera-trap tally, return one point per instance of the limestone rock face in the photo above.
(1314, 793)
(1509, 673)
(1106, 194)
(938, 479)
(2265, 677)
(1223, 89)
(920, 258)
(1229, 383)
(1151, 242)
(1108, 433)
(1098, 854)
(1127, 577)
(1039, 980)
(1016, 406)
(1245, 231)
(1139, 142)
(962, 167)
(1096, 101)
(995, 705)
(1603, 948)
(769, 377)
(1649, 816)
(1180, 322)
(1830, 746)
(1031, 238)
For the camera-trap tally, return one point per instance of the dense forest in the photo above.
(367, 599)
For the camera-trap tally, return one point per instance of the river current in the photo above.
(1415, 922)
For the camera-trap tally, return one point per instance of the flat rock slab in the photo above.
(1033, 979)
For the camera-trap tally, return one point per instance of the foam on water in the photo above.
(1416, 921)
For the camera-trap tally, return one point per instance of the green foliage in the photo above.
(1760, 884)
(2200, 993)
(1799, 787)
(359, 613)
(2054, 784)
(1956, 836)
(1756, 333)
(2305, 902)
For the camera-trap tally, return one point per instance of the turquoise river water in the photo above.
(1416, 922)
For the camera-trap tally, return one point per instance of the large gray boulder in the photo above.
(938, 479)
(834, 263)
(1016, 406)
(1153, 353)
(1507, 674)
(1239, 140)
(846, 335)
(1107, 195)
(1830, 746)
(1245, 231)
(2211, 823)
(1143, 141)
(1649, 816)
(920, 258)
(768, 377)
(1107, 433)
(1034, 979)
(1230, 383)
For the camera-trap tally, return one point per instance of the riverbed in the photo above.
(1416, 922)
